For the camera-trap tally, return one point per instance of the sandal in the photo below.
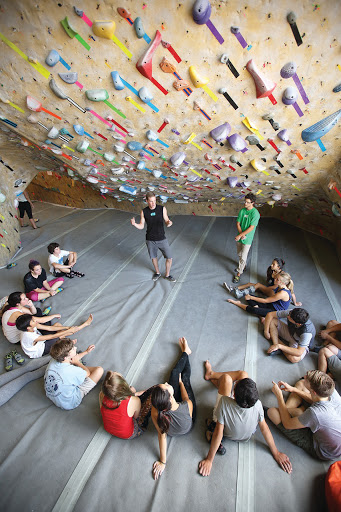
(9, 362)
(18, 357)
(236, 279)
(210, 424)
(70, 275)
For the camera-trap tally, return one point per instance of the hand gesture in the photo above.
(323, 334)
(158, 469)
(169, 223)
(29, 304)
(205, 467)
(276, 390)
(90, 349)
(284, 386)
(57, 315)
(132, 221)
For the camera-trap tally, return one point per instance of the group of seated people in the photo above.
(311, 417)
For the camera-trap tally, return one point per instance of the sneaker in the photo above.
(18, 357)
(9, 362)
(171, 279)
(156, 276)
(60, 289)
(239, 293)
(47, 311)
(221, 450)
(227, 287)
(236, 279)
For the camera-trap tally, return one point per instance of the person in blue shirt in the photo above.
(67, 380)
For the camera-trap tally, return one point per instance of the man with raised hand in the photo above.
(154, 216)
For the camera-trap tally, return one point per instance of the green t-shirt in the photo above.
(247, 218)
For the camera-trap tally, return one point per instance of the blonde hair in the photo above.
(321, 383)
(116, 388)
(286, 280)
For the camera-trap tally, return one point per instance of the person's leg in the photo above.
(237, 303)
(261, 311)
(174, 376)
(156, 265)
(152, 251)
(273, 328)
(72, 259)
(215, 377)
(146, 407)
(324, 355)
(168, 266)
(29, 214)
(55, 283)
(295, 403)
(96, 373)
(186, 376)
(242, 250)
(21, 213)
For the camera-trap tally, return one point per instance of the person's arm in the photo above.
(30, 309)
(281, 458)
(278, 296)
(134, 406)
(60, 266)
(242, 234)
(287, 421)
(159, 465)
(291, 351)
(294, 301)
(267, 322)
(325, 335)
(100, 398)
(48, 288)
(334, 328)
(45, 319)
(140, 225)
(28, 198)
(61, 334)
(239, 229)
(167, 220)
(205, 465)
(76, 360)
(284, 386)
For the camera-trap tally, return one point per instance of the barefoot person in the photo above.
(169, 416)
(236, 417)
(298, 331)
(37, 287)
(36, 343)
(125, 412)
(247, 221)
(316, 428)
(280, 299)
(154, 216)
(67, 380)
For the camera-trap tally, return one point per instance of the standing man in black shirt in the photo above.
(154, 215)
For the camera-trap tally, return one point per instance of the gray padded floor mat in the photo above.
(63, 460)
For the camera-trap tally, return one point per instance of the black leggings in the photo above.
(183, 367)
(262, 310)
(24, 206)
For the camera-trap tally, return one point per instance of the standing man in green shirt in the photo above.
(247, 221)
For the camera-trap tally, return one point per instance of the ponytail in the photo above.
(286, 280)
(161, 401)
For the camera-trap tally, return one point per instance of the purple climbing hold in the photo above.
(201, 11)
(221, 132)
(232, 181)
(237, 142)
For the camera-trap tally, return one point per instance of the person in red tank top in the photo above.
(125, 412)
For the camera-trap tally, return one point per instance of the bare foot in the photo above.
(184, 346)
(235, 302)
(89, 320)
(208, 370)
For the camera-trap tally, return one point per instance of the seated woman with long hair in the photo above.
(272, 272)
(279, 300)
(169, 416)
(125, 412)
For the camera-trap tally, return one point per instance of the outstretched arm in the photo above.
(140, 225)
(159, 465)
(205, 465)
(281, 458)
(282, 295)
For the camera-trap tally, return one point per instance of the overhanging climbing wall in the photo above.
(199, 101)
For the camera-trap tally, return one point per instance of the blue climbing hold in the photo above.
(134, 145)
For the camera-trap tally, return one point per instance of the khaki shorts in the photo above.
(87, 386)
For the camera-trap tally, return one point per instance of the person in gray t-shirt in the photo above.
(293, 327)
(238, 416)
(317, 428)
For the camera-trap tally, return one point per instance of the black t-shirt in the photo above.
(154, 220)
(31, 283)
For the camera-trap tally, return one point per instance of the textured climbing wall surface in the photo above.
(124, 95)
